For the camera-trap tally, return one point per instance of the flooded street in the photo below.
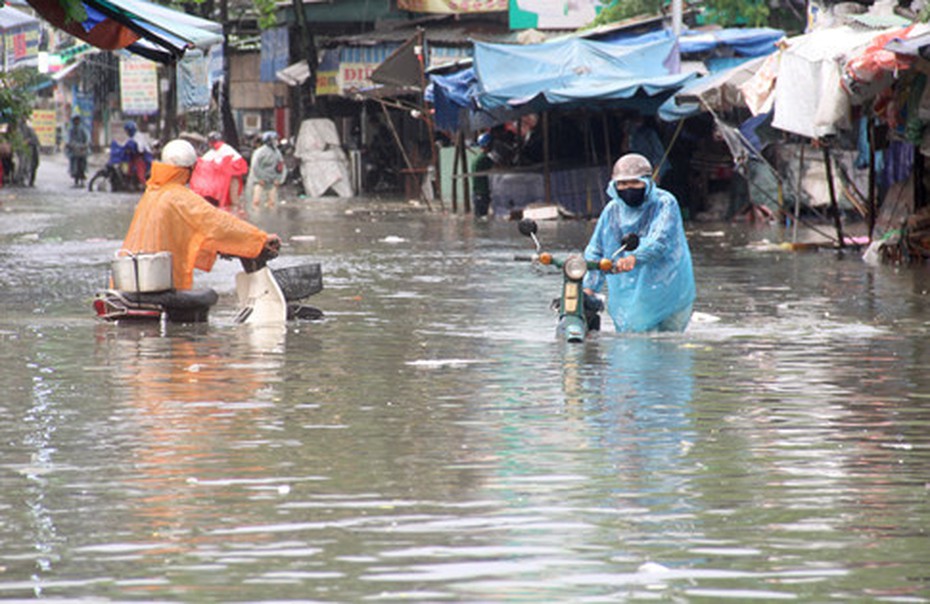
(431, 441)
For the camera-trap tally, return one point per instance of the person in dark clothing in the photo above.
(30, 155)
(77, 147)
(481, 184)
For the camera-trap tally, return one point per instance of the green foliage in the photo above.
(728, 13)
(16, 96)
(16, 102)
(267, 13)
(619, 10)
(74, 10)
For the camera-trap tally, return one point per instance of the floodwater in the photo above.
(431, 441)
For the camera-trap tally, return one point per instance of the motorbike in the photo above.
(117, 175)
(141, 291)
(578, 313)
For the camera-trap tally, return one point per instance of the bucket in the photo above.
(142, 272)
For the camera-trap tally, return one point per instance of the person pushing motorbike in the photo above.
(138, 151)
(172, 218)
(651, 289)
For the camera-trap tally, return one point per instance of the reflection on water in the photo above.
(431, 440)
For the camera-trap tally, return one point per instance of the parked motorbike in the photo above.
(141, 291)
(117, 175)
(293, 179)
(577, 312)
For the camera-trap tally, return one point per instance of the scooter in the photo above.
(265, 295)
(117, 175)
(577, 312)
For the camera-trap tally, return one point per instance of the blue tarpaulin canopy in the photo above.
(630, 71)
(575, 71)
(745, 42)
(740, 41)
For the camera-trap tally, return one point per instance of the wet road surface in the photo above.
(431, 441)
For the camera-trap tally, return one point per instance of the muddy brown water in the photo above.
(431, 441)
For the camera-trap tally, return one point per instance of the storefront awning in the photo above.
(155, 32)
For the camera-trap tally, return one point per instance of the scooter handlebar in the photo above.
(524, 258)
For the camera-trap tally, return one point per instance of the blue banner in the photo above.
(193, 82)
(275, 53)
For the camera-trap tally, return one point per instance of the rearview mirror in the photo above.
(527, 227)
(630, 242)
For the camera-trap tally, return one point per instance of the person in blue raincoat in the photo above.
(652, 287)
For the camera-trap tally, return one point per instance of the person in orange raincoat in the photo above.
(219, 173)
(172, 218)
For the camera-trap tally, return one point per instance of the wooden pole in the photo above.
(430, 127)
(608, 157)
(872, 188)
(797, 198)
(833, 203)
(403, 152)
(466, 182)
(459, 136)
(547, 175)
(588, 147)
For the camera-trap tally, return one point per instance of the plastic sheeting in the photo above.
(576, 72)
(216, 172)
(323, 163)
(172, 218)
(144, 28)
(662, 284)
(809, 98)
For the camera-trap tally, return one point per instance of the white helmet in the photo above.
(179, 153)
(631, 166)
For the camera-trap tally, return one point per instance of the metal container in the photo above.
(142, 272)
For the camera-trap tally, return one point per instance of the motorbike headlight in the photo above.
(575, 267)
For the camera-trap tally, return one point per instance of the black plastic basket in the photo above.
(297, 282)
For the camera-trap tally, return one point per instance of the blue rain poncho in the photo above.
(658, 293)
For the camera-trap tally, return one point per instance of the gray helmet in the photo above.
(269, 137)
(214, 137)
(631, 166)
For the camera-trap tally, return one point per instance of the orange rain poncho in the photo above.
(172, 218)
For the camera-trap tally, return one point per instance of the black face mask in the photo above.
(632, 197)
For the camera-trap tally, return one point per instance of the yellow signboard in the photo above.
(43, 122)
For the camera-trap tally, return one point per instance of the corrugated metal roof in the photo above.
(443, 30)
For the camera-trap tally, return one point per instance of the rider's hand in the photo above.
(625, 264)
(272, 246)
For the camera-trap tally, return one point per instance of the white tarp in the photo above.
(323, 162)
(809, 97)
